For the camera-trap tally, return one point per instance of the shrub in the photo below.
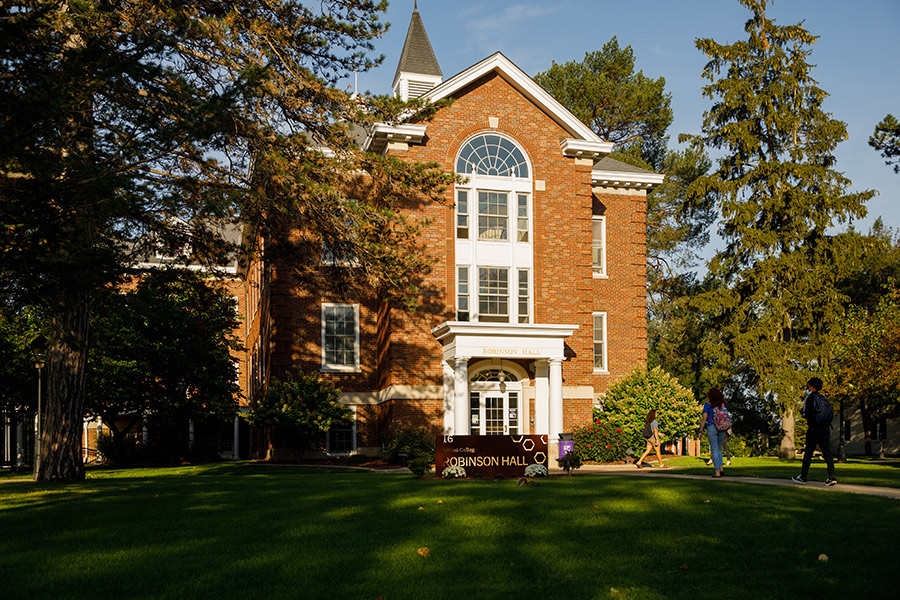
(409, 442)
(600, 441)
(536, 470)
(419, 466)
(108, 453)
(626, 403)
(569, 462)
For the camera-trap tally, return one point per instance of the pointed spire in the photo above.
(418, 65)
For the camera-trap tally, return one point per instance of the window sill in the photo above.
(339, 369)
(601, 371)
(600, 276)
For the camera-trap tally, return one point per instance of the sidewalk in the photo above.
(868, 490)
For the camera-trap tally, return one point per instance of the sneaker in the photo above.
(831, 481)
(800, 479)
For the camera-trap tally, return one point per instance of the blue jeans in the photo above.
(716, 439)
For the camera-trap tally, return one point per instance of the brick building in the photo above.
(536, 300)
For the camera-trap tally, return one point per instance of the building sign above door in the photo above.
(511, 351)
(490, 455)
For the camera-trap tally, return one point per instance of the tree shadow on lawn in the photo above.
(271, 533)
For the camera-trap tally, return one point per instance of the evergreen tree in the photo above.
(886, 139)
(774, 301)
(621, 106)
(118, 116)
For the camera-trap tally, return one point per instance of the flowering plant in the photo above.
(535, 470)
(453, 472)
(601, 440)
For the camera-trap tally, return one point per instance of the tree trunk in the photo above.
(868, 423)
(787, 449)
(63, 422)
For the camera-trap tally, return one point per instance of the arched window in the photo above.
(494, 231)
(491, 154)
(494, 375)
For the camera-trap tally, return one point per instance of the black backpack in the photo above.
(647, 433)
(824, 411)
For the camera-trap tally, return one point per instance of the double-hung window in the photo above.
(340, 337)
(493, 294)
(462, 293)
(600, 342)
(598, 246)
(493, 216)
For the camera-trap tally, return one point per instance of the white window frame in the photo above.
(509, 297)
(326, 367)
(467, 295)
(605, 341)
(353, 445)
(599, 272)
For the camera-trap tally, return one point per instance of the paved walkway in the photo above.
(869, 490)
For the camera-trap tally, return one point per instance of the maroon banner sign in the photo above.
(490, 455)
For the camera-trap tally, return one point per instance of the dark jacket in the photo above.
(809, 412)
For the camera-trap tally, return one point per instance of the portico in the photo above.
(473, 348)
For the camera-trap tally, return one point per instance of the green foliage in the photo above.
(18, 328)
(867, 354)
(143, 126)
(619, 104)
(772, 303)
(111, 452)
(626, 403)
(162, 350)
(601, 441)
(408, 442)
(569, 462)
(886, 139)
(420, 465)
(305, 406)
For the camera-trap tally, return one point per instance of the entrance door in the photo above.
(494, 413)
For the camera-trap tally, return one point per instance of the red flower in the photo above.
(607, 445)
(619, 429)
(588, 445)
(589, 427)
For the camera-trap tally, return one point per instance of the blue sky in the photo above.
(856, 56)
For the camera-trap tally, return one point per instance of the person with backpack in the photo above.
(651, 434)
(819, 414)
(717, 422)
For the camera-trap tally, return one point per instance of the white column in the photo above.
(235, 453)
(556, 399)
(20, 443)
(449, 398)
(541, 398)
(461, 395)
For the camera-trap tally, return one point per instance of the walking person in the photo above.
(714, 410)
(651, 434)
(818, 413)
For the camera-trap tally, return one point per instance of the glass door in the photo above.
(494, 413)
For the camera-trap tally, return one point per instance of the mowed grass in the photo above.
(856, 471)
(248, 531)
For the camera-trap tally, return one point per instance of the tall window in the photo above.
(493, 294)
(600, 342)
(598, 246)
(522, 218)
(340, 337)
(462, 214)
(524, 295)
(462, 294)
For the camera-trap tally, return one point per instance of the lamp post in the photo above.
(39, 352)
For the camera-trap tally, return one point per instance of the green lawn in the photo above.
(856, 471)
(246, 531)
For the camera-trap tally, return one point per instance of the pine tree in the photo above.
(774, 302)
(123, 121)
